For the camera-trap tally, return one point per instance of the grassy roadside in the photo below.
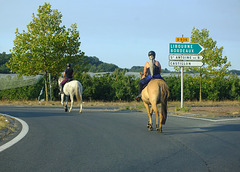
(7, 126)
(4, 122)
(213, 107)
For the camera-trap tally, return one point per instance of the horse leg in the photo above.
(80, 98)
(149, 125)
(161, 122)
(62, 99)
(155, 108)
(151, 112)
(71, 97)
(66, 108)
(80, 111)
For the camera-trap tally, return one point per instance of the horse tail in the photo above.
(78, 94)
(164, 97)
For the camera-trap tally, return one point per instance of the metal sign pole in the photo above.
(182, 87)
(182, 84)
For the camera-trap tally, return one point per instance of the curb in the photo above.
(22, 134)
(203, 117)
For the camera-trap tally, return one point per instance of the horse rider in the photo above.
(68, 75)
(152, 70)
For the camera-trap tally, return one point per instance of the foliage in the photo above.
(137, 69)
(118, 86)
(174, 84)
(184, 109)
(234, 87)
(46, 46)
(124, 86)
(22, 93)
(95, 65)
(109, 87)
(234, 72)
(215, 65)
(140, 69)
(214, 62)
(3, 59)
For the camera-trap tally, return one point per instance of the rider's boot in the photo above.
(138, 98)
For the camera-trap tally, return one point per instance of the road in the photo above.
(101, 140)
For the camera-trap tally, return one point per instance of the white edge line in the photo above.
(16, 139)
(205, 119)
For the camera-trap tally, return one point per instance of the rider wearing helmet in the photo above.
(68, 75)
(152, 70)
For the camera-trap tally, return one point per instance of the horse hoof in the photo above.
(149, 125)
(159, 130)
(150, 128)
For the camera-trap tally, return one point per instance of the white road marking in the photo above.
(23, 133)
(206, 119)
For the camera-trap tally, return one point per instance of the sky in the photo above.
(122, 32)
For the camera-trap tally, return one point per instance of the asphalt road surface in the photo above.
(100, 140)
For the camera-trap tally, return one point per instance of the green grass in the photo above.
(184, 109)
(4, 122)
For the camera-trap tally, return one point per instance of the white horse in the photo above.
(70, 89)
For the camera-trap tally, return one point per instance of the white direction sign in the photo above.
(186, 63)
(185, 57)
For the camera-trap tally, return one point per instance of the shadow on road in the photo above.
(195, 130)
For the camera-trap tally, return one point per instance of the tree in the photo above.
(46, 46)
(3, 59)
(214, 62)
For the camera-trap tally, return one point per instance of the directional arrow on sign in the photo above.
(185, 63)
(185, 57)
(185, 48)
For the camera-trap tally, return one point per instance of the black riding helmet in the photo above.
(68, 65)
(151, 53)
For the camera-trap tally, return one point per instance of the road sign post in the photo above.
(186, 63)
(185, 55)
(182, 39)
(185, 48)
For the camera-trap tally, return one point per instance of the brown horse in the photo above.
(154, 93)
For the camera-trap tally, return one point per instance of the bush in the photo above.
(22, 93)
(118, 86)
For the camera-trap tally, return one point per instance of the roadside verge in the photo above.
(16, 139)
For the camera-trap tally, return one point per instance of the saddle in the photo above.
(147, 79)
(61, 88)
(69, 80)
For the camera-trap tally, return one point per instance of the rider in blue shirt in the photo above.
(152, 70)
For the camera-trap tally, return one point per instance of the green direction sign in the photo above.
(185, 48)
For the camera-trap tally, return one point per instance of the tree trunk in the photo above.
(46, 87)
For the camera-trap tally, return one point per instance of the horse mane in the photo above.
(60, 79)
